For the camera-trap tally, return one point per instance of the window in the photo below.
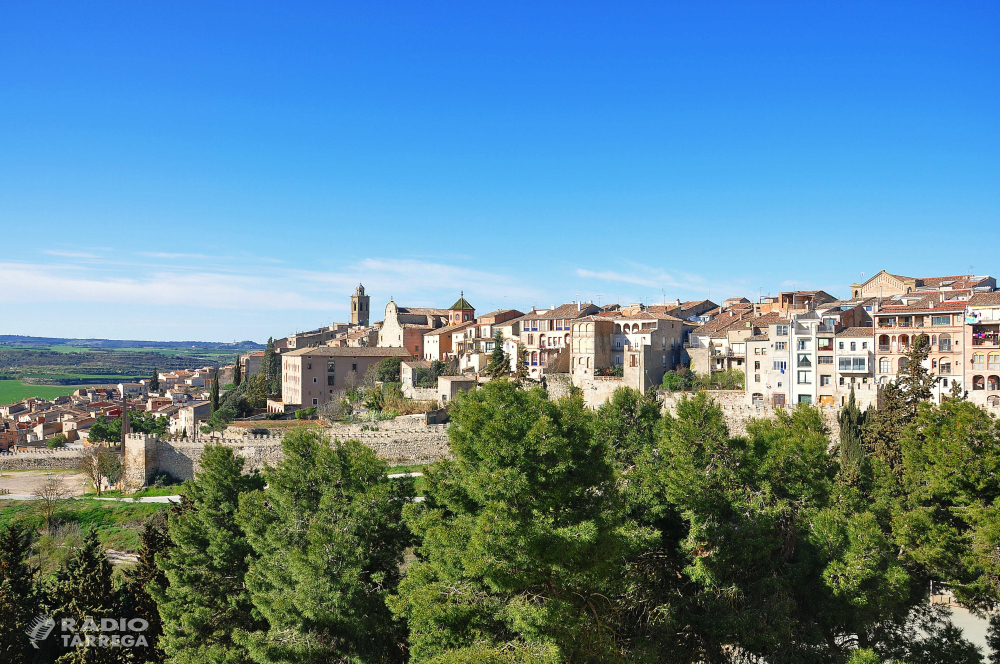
(944, 343)
(781, 330)
(940, 320)
(531, 339)
(824, 359)
(315, 402)
(944, 367)
(756, 365)
(315, 380)
(841, 380)
(824, 381)
(883, 365)
(803, 377)
(859, 363)
(781, 345)
(844, 363)
(354, 368)
(804, 360)
(330, 380)
(805, 398)
(756, 378)
(780, 365)
(864, 344)
(803, 344)
(309, 365)
(854, 345)
(993, 361)
(824, 344)
(331, 365)
(840, 345)
(978, 361)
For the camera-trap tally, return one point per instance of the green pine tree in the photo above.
(328, 541)
(136, 599)
(19, 601)
(154, 381)
(499, 364)
(521, 374)
(914, 378)
(206, 600)
(237, 372)
(519, 535)
(83, 592)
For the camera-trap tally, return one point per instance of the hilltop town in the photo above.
(796, 347)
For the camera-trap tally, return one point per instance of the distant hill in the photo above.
(20, 340)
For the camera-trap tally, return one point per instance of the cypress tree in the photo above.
(18, 596)
(206, 600)
(499, 364)
(215, 391)
(237, 372)
(154, 381)
(914, 378)
(851, 447)
(82, 592)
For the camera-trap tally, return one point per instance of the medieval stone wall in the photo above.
(401, 441)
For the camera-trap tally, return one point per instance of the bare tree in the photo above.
(101, 466)
(47, 493)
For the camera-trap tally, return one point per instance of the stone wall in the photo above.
(738, 414)
(404, 440)
(40, 460)
(558, 385)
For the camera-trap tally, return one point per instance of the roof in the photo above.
(566, 311)
(920, 307)
(500, 312)
(985, 300)
(461, 303)
(449, 329)
(422, 311)
(417, 364)
(856, 332)
(348, 351)
(757, 337)
(636, 315)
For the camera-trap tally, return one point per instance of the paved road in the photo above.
(145, 499)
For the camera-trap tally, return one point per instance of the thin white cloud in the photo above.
(69, 254)
(164, 254)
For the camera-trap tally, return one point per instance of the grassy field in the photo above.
(15, 390)
(117, 525)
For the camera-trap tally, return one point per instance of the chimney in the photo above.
(579, 306)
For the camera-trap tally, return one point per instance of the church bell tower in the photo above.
(360, 307)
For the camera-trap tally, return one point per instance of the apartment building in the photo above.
(899, 321)
(439, 344)
(310, 376)
(546, 333)
(642, 344)
(982, 343)
(886, 285)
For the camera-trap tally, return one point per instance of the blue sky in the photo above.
(230, 171)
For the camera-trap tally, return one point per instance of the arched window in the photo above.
(618, 328)
(993, 383)
(993, 361)
(978, 361)
(904, 341)
(944, 343)
(978, 383)
(901, 364)
(883, 343)
(883, 365)
(588, 362)
(534, 357)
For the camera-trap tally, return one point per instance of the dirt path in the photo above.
(26, 481)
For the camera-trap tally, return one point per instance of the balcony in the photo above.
(825, 328)
(883, 348)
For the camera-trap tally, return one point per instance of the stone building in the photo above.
(310, 376)
(405, 327)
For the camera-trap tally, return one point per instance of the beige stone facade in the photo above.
(311, 376)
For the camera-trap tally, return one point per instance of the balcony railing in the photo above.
(825, 328)
(883, 348)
